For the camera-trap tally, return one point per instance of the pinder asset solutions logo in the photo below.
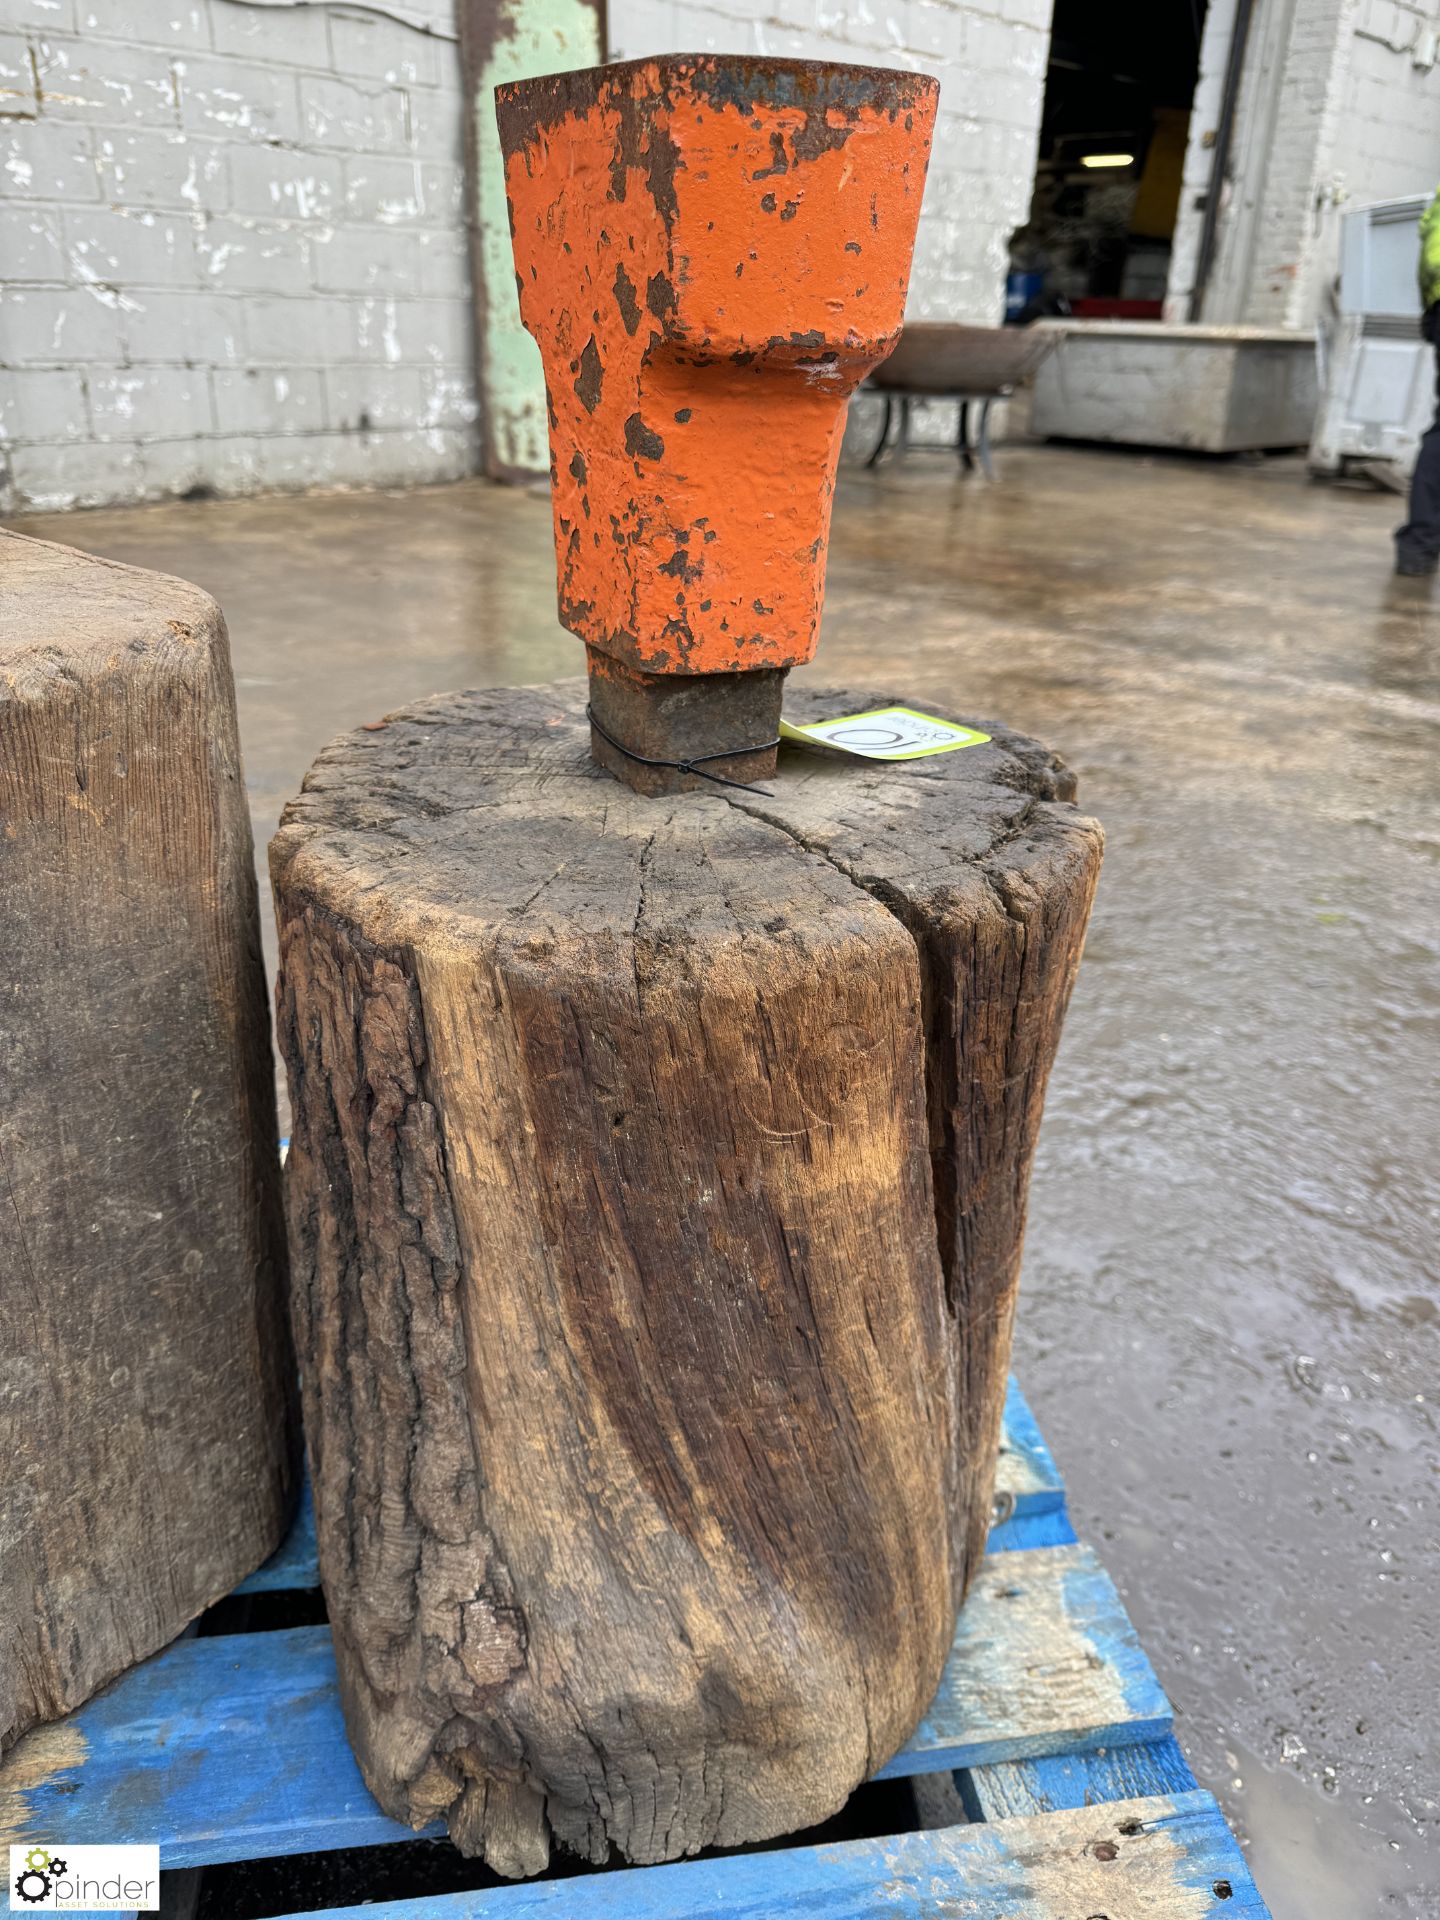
(84, 1879)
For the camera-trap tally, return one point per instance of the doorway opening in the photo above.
(1118, 94)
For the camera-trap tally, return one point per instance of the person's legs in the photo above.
(1417, 543)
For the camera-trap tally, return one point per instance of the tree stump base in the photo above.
(147, 1400)
(656, 1189)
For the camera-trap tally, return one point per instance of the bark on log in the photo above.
(656, 1193)
(146, 1418)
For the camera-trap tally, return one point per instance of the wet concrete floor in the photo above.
(1230, 1323)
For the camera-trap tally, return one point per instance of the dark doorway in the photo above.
(1112, 150)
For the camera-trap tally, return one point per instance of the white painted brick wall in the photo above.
(1340, 106)
(232, 252)
(1388, 137)
(989, 57)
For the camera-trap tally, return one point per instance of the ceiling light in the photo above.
(1107, 159)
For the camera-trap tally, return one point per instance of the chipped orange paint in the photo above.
(711, 252)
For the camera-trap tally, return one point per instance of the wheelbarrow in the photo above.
(975, 366)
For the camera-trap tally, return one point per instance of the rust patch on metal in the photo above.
(642, 441)
(591, 382)
(626, 300)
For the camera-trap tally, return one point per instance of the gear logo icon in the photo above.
(35, 1881)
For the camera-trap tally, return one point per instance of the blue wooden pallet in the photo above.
(232, 1747)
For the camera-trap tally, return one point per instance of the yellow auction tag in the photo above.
(886, 733)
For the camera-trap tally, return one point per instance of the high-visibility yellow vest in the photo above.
(1430, 253)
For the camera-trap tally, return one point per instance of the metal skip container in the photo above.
(1202, 389)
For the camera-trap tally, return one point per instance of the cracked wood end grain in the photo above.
(146, 1398)
(656, 1193)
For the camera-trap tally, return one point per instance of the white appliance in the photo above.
(1378, 381)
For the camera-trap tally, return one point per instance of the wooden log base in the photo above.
(147, 1428)
(656, 1188)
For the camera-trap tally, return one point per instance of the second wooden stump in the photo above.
(657, 1187)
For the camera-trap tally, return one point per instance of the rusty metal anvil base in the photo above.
(711, 252)
(730, 721)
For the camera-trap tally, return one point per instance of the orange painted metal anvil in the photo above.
(712, 252)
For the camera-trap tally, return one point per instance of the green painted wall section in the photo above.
(532, 36)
